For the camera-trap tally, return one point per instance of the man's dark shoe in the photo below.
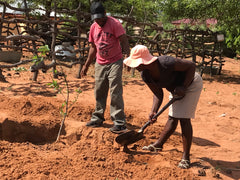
(118, 129)
(96, 123)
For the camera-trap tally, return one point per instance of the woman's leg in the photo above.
(168, 130)
(187, 134)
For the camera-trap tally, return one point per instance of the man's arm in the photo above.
(91, 57)
(125, 45)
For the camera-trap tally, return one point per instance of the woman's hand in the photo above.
(151, 118)
(179, 91)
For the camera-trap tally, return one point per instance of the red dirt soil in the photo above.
(30, 120)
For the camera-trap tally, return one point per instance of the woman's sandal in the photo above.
(184, 164)
(151, 148)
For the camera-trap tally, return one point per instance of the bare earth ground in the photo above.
(30, 120)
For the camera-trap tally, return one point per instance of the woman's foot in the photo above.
(184, 164)
(151, 148)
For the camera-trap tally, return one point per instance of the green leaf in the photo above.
(78, 90)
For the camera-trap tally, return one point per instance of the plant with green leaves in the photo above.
(67, 104)
(19, 69)
(234, 93)
(43, 51)
(63, 90)
(226, 12)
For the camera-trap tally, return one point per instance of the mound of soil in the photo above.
(30, 120)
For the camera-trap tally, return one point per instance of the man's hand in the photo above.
(125, 56)
(127, 67)
(84, 71)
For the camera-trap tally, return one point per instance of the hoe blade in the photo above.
(129, 137)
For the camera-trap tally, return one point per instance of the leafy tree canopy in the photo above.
(227, 12)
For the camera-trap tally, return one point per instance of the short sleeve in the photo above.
(167, 62)
(146, 77)
(118, 28)
(90, 37)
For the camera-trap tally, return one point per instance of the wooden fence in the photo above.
(67, 37)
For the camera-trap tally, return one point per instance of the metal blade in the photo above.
(129, 137)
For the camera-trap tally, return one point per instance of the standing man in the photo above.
(107, 40)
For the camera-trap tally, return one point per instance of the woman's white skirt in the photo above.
(186, 107)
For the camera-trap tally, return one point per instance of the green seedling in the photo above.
(63, 90)
(18, 69)
(43, 50)
(67, 104)
(9, 88)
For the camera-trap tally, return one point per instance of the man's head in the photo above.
(97, 10)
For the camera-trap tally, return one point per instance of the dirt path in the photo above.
(30, 120)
